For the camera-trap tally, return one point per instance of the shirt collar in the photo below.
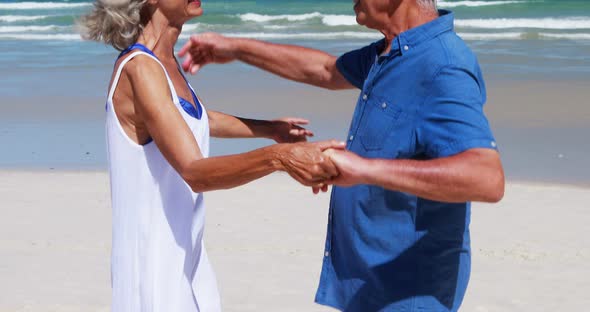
(417, 35)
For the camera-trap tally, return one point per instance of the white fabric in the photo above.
(159, 262)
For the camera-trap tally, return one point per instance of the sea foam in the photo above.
(339, 20)
(260, 18)
(445, 4)
(538, 23)
(40, 5)
(41, 37)
(20, 29)
(493, 36)
(581, 36)
(20, 18)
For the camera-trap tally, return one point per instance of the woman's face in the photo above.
(180, 10)
(194, 8)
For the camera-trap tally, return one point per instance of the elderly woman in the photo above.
(158, 141)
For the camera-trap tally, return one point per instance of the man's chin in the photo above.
(360, 20)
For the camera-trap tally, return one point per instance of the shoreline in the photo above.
(540, 126)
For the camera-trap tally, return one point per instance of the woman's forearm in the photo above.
(224, 172)
(304, 161)
(226, 126)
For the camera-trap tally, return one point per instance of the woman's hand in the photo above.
(306, 162)
(289, 130)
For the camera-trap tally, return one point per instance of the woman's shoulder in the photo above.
(141, 66)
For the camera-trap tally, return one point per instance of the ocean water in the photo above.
(53, 84)
(550, 36)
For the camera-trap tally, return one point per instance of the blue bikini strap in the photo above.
(138, 46)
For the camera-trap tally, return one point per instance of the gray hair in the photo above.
(114, 22)
(427, 4)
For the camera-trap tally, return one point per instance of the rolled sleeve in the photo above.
(453, 119)
(355, 65)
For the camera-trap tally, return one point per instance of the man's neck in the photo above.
(406, 16)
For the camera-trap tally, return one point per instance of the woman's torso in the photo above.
(159, 262)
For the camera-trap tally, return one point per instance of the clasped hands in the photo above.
(316, 164)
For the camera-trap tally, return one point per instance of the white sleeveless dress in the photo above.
(159, 262)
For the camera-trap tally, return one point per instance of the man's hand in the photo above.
(352, 168)
(206, 48)
(306, 162)
(289, 130)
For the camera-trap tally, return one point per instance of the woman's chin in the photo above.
(195, 12)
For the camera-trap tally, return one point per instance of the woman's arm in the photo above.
(284, 130)
(303, 161)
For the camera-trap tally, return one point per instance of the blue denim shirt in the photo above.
(393, 251)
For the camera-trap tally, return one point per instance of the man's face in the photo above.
(369, 12)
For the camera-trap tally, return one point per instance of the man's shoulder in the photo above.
(448, 51)
(369, 50)
(456, 51)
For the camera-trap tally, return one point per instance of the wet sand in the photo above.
(541, 126)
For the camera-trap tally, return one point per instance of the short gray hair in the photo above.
(427, 4)
(114, 22)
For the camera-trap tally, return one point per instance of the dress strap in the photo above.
(196, 111)
(120, 69)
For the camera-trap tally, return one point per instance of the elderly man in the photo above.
(419, 150)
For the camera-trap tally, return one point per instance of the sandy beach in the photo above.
(531, 252)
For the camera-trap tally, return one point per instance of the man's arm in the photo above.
(473, 175)
(284, 130)
(296, 63)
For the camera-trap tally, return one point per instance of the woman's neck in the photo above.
(160, 36)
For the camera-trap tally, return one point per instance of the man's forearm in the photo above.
(468, 177)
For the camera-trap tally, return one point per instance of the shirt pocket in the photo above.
(378, 121)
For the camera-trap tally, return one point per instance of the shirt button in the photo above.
(365, 97)
(351, 137)
(384, 105)
(327, 254)
(406, 48)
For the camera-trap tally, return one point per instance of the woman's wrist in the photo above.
(263, 128)
(276, 154)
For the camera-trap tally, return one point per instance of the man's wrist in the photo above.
(369, 171)
(237, 47)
